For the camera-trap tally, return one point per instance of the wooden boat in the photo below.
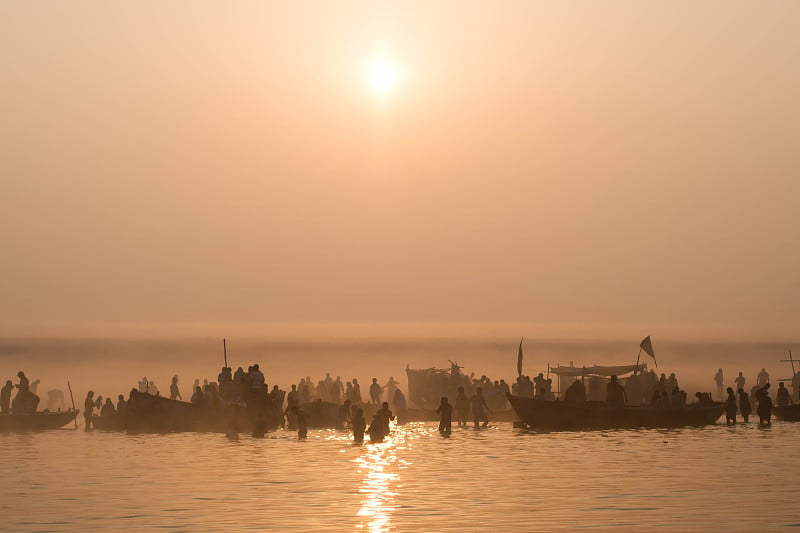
(539, 414)
(789, 413)
(148, 413)
(37, 421)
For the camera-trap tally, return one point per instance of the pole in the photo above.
(225, 352)
(636, 370)
(791, 361)
(71, 397)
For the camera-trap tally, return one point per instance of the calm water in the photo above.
(500, 478)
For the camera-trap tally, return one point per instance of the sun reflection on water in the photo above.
(380, 466)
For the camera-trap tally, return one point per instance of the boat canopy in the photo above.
(597, 370)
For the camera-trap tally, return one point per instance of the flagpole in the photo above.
(636, 370)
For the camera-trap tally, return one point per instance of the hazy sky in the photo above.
(557, 166)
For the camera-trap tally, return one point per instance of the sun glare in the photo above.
(382, 76)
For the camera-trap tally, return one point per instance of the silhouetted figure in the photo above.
(445, 411)
(343, 415)
(655, 397)
(302, 424)
(256, 381)
(356, 392)
(663, 402)
(762, 378)
(174, 392)
(122, 406)
(576, 393)
(5, 397)
(764, 408)
(88, 409)
(108, 410)
(377, 430)
(739, 381)
(337, 390)
(730, 407)
(719, 381)
(744, 405)
(390, 388)
(384, 414)
(479, 408)
(359, 426)
(615, 393)
(704, 399)
(782, 397)
(375, 391)
(462, 407)
(399, 401)
(197, 398)
(678, 398)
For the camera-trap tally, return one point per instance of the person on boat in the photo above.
(615, 393)
(655, 398)
(719, 381)
(399, 401)
(663, 402)
(730, 407)
(256, 381)
(359, 426)
(375, 391)
(108, 411)
(739, 381)
(576, 393)
(337, 390)
(293, 398)
(461, 407)
(88, 409)
(678, 399)
(662, 383)
(782, 397)
(24, 384)
(385, 415)
(143, 385)
(479, 408)
(764, 408)
(390, 387)
(197, 398)
(744, 405)
(356, 392)
(343, 415)
(5, 397)
(122, 406)
(762, 378)
(672, 383)
(174, 392)
(304, 391)
(445, 412)
(348, 391)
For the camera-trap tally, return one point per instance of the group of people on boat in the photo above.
(25, 402)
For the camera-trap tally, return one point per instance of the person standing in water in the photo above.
(375, 391)
(445, 411)
(359, 426)
(479, 408)
(739, 381)
(302, 425)
(462, 407)
(730, 408)
(764, 406)
(88, 409)
(5, 397)
(744, 405)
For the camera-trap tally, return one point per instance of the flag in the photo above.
(647, 346)
(519, 358)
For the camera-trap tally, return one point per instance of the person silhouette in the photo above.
(479, 408)
(764, 406)
(375, 391)
(782, 397)
(462, 407)
(359, 426)
(88, 409)
(5, 397)
(445, 411)
(730, 407)
(762, 378)
(744, 405)
(719, 381)
(740, 381)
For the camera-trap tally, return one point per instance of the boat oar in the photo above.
(71, 397)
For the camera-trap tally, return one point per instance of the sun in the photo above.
(382, 76)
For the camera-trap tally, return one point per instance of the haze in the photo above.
(603, 169)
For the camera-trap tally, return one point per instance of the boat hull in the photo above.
(789, 413)
(539, 414)
(37, 421)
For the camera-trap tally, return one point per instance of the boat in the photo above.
(37, 421)
(549, 415)
(788, 413)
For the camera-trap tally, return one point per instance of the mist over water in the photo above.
(113, 366)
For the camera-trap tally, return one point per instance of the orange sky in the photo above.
(540, 166)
